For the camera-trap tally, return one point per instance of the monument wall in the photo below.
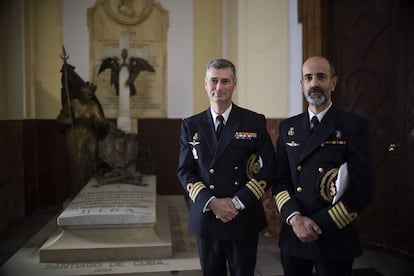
(141, 28)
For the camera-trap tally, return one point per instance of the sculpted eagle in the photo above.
(135, 66)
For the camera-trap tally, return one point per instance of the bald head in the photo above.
(320, 62)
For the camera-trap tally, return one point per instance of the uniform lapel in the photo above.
(298, 135)
(232, 125)
(324, 130)
(208, 131)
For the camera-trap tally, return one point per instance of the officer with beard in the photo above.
(324, 181)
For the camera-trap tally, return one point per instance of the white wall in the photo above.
(179, 56)
(75, 34)
(295, 99)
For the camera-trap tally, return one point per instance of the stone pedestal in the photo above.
(184, 259)
(112, 204)
(111, 222)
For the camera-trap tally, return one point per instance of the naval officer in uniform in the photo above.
(226, 164)
(325, 179)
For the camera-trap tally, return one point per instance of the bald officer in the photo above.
(325, 179)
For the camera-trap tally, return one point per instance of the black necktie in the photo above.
(220, 126)
(314, 122)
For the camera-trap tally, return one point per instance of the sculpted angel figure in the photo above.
(135, 65)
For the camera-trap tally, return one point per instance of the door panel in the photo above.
(371, 43)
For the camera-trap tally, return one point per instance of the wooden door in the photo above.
(371, 43)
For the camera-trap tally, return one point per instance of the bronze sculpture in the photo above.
(96, 147)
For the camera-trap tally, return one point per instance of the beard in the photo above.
(317, 96)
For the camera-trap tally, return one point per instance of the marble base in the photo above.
(119, 221)
(114, 204)
(114, 243)
(184, 259)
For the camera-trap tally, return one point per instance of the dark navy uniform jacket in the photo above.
(307, 169)
(225, 169)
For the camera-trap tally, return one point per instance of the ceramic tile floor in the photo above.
(268, 259)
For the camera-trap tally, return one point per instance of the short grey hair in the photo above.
(221, 63)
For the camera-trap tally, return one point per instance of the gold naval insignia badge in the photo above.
(327, 184)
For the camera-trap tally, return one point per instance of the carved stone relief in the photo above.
(140, 26)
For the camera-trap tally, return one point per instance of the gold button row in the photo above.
(211, 171)
(212, 187)
(299, 168)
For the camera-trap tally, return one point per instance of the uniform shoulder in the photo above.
(195, 117)
(292, 119)
(248, 112)
(349, 116)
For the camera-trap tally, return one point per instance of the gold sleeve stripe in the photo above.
(194, 189)
(281, 198)
(257, 187)
(340, 215)
(336, 217)
(253, 189)
(191, 186)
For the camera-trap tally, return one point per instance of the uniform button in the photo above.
(236, 183)
(299, 189)
(320, 170)
(299, 168)
(236, 168)
(211, 171)
(211, 187)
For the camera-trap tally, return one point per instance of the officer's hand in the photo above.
(305, 228)
(223, 209)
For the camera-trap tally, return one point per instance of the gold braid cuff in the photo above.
(340, 215)
(281, 198)
(194, 189)
(258, 188)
